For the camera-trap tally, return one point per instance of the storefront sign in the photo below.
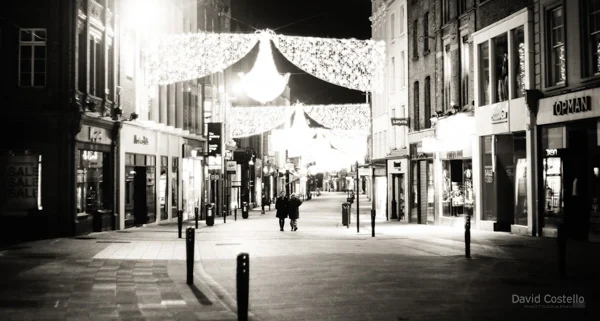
(91, 134)
(551, 152)
(140, 140)
(231, 166)
(214, 139)
(500, 113)
(572, 106)
(400, 121)
(21, 184)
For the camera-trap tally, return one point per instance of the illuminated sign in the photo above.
(214, 138)
(551, 152)
(399, 121)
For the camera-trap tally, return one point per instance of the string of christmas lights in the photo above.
(349, 63)
(248, 121)
(344, 117)
(175, 58)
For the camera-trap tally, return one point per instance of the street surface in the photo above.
(323, 271)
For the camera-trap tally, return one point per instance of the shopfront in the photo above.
(397, 187)
(503, 71)
(150, 176)
(94, 190)
(192, 177)
(569, 162)
(422, 191)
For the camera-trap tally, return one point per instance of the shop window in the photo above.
(174, 186)
(93, 178)
(430, 194)
(553, 137)
(32, 58)
(500, 63)
(484, 74)
(518, 63)
(457, 187)
(552, 188)
(556, 61)
(520, 157)
(592, 47)
(414, 195)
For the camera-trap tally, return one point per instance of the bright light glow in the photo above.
(39, 191)
(455, 132)
(264, 83)
(237, 88)
(143, 15)
(344, 117)
(349, 63)
(175, 58)
(248, 121)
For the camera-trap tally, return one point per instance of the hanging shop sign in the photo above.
(572, 106)
(500, 113)
(214, 138)
(400, 121)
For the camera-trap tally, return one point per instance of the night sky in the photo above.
(316, 18)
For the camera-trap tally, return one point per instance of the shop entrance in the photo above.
(576, 179)
(398, 195)
(140, 192)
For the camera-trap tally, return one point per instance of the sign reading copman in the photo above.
(572, 106)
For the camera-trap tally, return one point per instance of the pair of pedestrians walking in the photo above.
(288, 207)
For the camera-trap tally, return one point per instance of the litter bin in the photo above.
(210, 215)
(350, 200)
(244, 210)
(346, 214)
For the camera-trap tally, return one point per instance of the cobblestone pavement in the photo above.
(323, 271)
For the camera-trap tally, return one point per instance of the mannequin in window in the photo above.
(503, 80)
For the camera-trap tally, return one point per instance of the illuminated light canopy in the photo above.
(264, 83)
(349, 63)
(248, 121)
(344, 117)
(175, 58)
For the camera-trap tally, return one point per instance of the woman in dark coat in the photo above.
(293, 211)
(282, 211)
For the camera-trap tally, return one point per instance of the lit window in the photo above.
(32, 58)
(518, 63)
(556, 68)
(500, 64)
(593, 30)
(484, 77)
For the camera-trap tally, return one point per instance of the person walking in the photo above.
(281, 205)
(293, 211)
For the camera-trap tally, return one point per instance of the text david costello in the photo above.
(550, 301)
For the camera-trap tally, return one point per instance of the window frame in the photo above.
(587, 56)
(415, 43)
(427, 101)
(416, 123)
(33, 44)
(426, 48)
(393, 72)
(392, 26)
(446, 78)
(548, 85)
(465, 69)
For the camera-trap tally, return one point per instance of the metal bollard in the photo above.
(243, 285)
(262, 211)
(235, 214)
(372, 223)
(180, 221)
(561, 239)
(468, 237)
(196, 210)
(190, 240)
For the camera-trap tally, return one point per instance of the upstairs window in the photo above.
(392, 27)
(416, 111)
(415, 39)
(445, 11)
(32, 58)
(592, 46)
(426, 33)
(557, 60)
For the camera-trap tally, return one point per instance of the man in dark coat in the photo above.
(293, 211)
(281, 204)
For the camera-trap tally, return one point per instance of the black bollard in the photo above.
(372, 223)
(562, 250)
(180, 221)
(190, 240)
(235, 214)
(262, 211)
(468, 237)
(243, 285)
(196, 210)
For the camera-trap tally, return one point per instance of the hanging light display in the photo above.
(248, 121)
(264, 83)
(175, 58)
(349, 63)
(344, 117)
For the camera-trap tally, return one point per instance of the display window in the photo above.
(553, 193)
(92, 187)
(457, 187)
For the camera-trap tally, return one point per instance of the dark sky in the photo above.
(322, 18)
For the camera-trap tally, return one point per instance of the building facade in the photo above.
(389, 113)
(59, 145)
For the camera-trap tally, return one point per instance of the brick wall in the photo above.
(495, 10)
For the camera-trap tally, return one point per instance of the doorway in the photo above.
(398, 198)
(577, 205)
